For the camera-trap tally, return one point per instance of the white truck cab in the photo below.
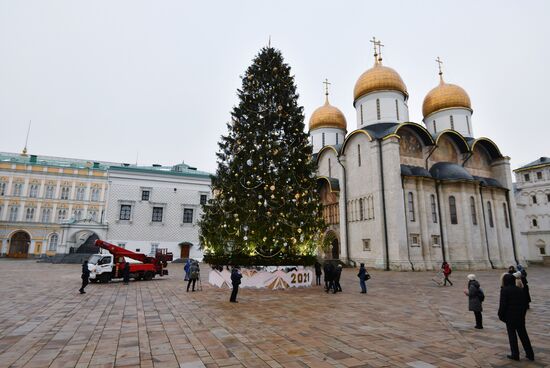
(101, 267)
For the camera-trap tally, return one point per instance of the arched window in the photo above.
(361, 210)
(52, 243)
(361, 112)
(490, 214)
(473, 210)
(77, 214)
(535, 223)
(49, 192)
(323, 139)
(80, 194)
(95, 194)
(2, 188)
(452, 122)
(30, 214)
(397, 109)
(452, 210)
(378, 108)
(505, 209)
(336, 138)
(329, 169)
(435, 127)
(61, 215)
(411, 207)
(46, 214)
(13, 213)
(434, 208)
(33, 191)
(358, 155)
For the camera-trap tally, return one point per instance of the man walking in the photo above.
(318, 273)
(236, 281)
(126, 273)
(363, 278)
(337, 274)
(475, 299)
(85, 277)
(446, 272)
(194, 273)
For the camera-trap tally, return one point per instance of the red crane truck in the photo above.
(105, 267)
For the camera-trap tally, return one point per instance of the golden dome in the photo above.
(379, 78)
(327, 116)
(445, 96)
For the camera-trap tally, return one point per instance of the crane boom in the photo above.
(119, 251)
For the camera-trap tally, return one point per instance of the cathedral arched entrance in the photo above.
(19, 245)
(335, 249)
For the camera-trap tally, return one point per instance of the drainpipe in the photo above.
(511, 226)
(437, 185)
(427, 158)
(387, 260)
(406, 222)
(344, 198)
(485, 226)
(467, 158)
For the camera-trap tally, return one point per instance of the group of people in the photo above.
(332, 277)
(513, 306)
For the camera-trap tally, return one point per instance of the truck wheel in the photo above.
(105, 278)
(139, 276)
(93, 281)
(148, 276)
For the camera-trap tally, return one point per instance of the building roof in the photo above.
(541, 162)
(408, 170)
(176, 170)
(450, 171)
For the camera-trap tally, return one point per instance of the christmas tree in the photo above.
(265, 208)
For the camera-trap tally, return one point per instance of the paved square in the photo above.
(405, 320)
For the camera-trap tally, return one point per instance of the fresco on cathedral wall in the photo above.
(446, 151)
(327, 197)
(409, 144)
(480, 163)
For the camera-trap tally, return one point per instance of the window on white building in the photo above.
(378, 108)
(411, 207)
(125, 212)
(2, 188)
(452, 122)
(65, 193)
(435, 127)
(415, 240)
(397, 109)
(52, 242)
(204, 199)
(505, 209)
(1, 208)
(336, 138)
(473, 210)
(77, 214)
(526, 177)
(49, 192)
(80, 194)
(361, 111)
(539, 175)
(329, 169)
(534, 198)
(361, 210)
(122, 245)
(92, 215)
(61, 215)
(17, 189)
(452, 210)
(46, 215)
(436, 240)
(534, 223)
(33, 191)
(434, 208)
(154, 247)
(359, 155)
(13, 213)
(95, 194)
(187, 215)
(323, 139)
(548, 197)
(145, 194)
(366, 245)
(157, 214)
(29, 215)
(490, 214)
(542, 251)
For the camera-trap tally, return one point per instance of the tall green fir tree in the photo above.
(265, 208)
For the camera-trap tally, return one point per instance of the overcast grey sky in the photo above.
(105, 80)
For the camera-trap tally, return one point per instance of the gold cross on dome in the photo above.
(326, 83)
(374, 43)
(379, 44)
(439, 62)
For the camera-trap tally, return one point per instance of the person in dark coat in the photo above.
(186, 269)
(525, 285)
(511, 270)
(511, 311)
(337, 274)
(236, 277)
(194, 273)
(446, 272)
(363, 278)
(326, 270)
(475, 299)
(318, 273)
(126, 273)
(85, 277)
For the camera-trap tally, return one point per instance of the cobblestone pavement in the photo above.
(405, 320)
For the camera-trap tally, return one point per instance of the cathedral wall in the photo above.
(328, 165)
(461, 121)
(365, 229)
(326, 137)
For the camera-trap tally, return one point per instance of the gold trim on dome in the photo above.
(327, 116)
(445, 96)
(379, 78)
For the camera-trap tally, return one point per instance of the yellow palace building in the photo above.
(44, 200)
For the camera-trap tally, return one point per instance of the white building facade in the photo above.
(532, 192)
(150, 208)
(405, 196)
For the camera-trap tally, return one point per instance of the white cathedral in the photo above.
(405, 196)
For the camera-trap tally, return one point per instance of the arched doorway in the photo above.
(19, 245)
(89, 245)
(335, 248)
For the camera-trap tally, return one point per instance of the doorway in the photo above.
(185, 249)
(19, 245)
